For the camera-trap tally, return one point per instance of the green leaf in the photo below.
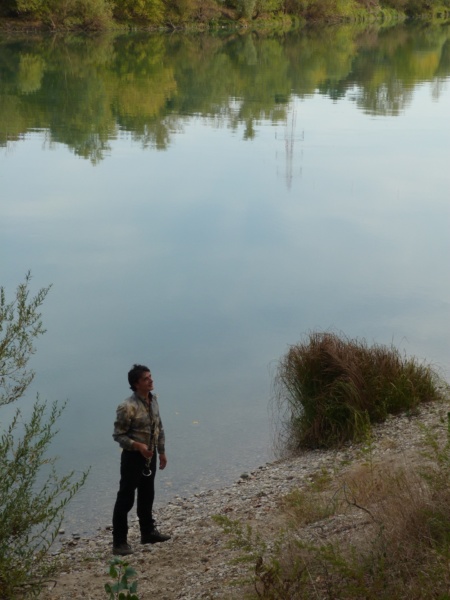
(113, 572)
(130, 572)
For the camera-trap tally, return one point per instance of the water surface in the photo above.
(200, 203)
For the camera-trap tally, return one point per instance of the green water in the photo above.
(85, 91)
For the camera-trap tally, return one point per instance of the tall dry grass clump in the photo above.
(399, 545)
(377, 529)
(375, 526)
(330, 389)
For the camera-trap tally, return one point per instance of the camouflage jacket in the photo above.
(135, 422)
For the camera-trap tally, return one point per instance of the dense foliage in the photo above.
(32, 494)
(101, 14)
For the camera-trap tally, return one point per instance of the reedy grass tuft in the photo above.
(331, 389)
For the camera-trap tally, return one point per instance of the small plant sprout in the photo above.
(121, 589)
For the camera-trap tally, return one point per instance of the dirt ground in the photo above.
(194, 564)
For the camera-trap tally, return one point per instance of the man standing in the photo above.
(139, 431)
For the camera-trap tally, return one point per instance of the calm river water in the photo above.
(199, 203)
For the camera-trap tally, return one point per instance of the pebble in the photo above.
(253, 497)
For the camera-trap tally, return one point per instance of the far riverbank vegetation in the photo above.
(208, 14)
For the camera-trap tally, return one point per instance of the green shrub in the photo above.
(247, 8)
(399, 5)
(21, 7)
(315, 10)
(191, 11)
(333, 388)
(32, 495)
(94, 15)
(416, 8)
(144, 11)
(65, 14)
(269, 6)
(82, 14)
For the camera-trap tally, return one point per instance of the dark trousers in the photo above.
(132, 479)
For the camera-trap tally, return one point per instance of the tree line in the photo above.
(105, 14)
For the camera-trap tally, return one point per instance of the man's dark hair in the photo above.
(135, 374)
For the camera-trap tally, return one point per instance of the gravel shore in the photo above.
(195, 563)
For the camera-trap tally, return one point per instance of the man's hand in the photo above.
(142, 448)
(162, 461)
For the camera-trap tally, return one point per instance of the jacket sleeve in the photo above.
(161, 436)
(122, 427)
(161, 441)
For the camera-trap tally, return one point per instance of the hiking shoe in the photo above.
(153, 537)
(122, 549)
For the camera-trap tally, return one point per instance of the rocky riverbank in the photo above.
(195, 563)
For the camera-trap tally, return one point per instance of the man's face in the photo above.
(145, 384)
